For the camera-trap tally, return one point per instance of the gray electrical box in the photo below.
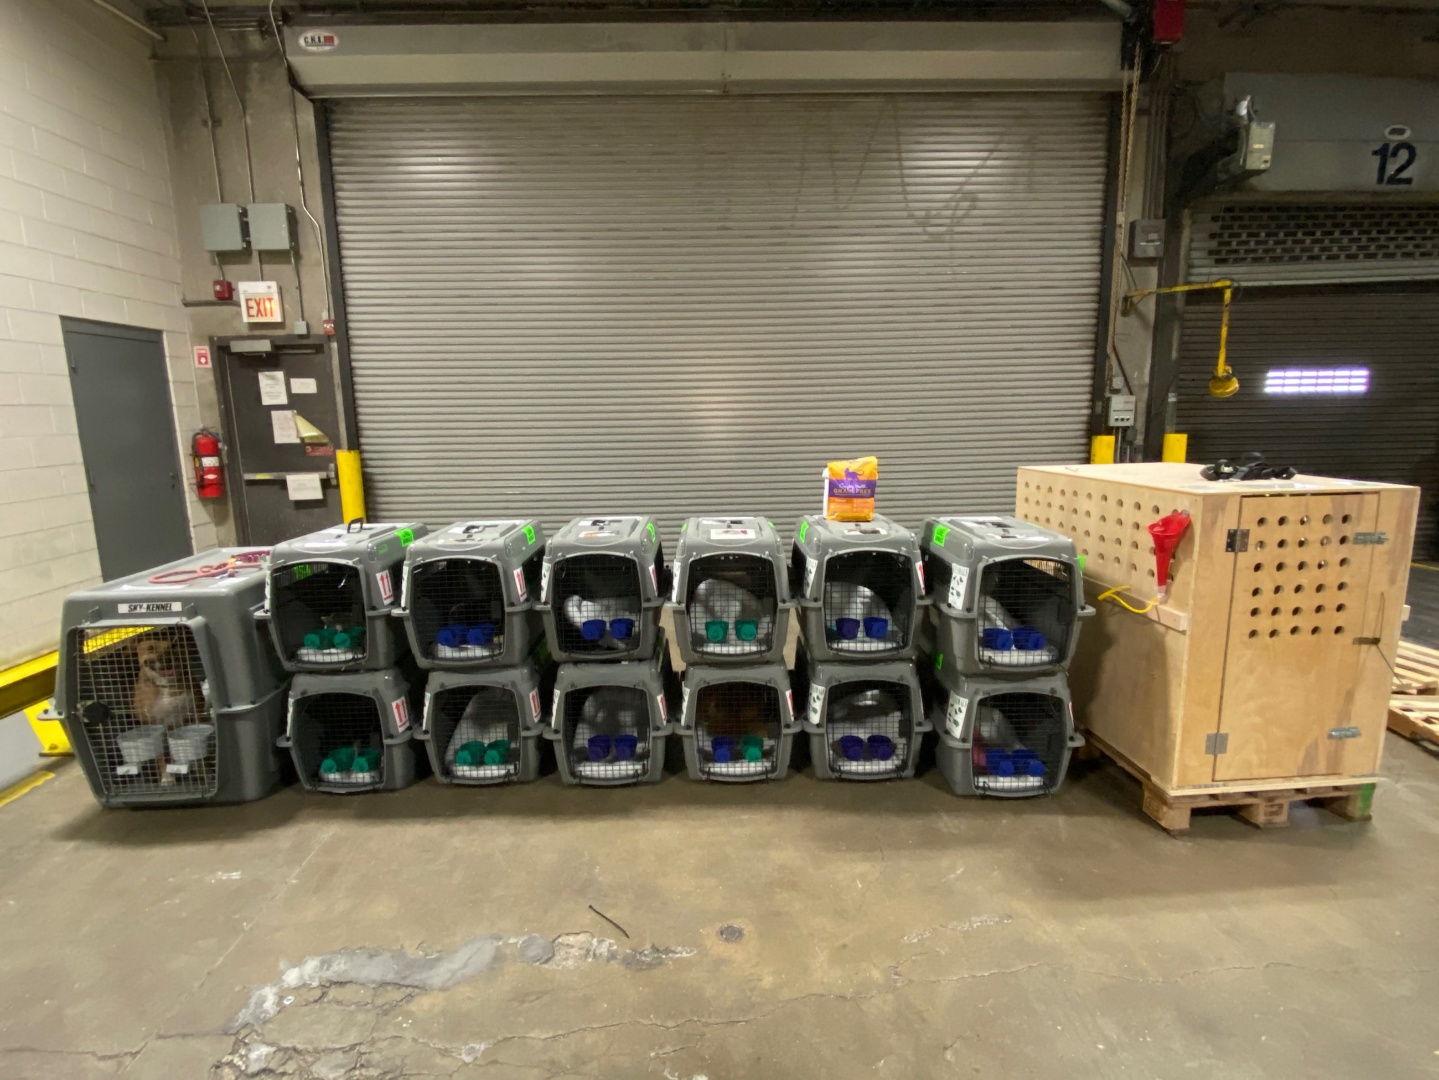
(223, 227)
(272, 226)
(1146, 238)
(1121, 410)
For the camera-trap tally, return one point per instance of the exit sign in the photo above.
(260, 302)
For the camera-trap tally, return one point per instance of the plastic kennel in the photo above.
(1008, 595)
(168, 689)
(469, 594)
(484, 727)
(1003, 736)
(352, 732)
(860, 585)
(610, 721)
(738, 723)
(330, 595)
(864, 721)
(730, 599)
(603, 583)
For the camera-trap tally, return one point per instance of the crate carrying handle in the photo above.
(350, 527)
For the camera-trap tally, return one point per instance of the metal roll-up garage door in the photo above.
(687, 305)
(1339, 381)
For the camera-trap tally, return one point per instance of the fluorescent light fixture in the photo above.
(1342, 380)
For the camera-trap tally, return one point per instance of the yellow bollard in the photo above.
(352, 484)
(1176, 447)
(1101, 450)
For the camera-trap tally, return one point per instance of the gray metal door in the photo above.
(121, 388)
(684, 305)
(1342, 381)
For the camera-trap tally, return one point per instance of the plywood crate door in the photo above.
(1291, 672)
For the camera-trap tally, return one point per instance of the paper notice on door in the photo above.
(303, 486)
(282, 422)
(304, 386)
(272, 388)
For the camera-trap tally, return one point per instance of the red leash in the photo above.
(215, 570)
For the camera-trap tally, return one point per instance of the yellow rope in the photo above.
(1113, 594)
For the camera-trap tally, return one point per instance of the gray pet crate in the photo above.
(484, 727)
(469, 594)
(168, 689)
(602, 587)
(730, 599)
(1003, 736)
(864, 721)
(329, 596)
(860, 586)
(737, 724)
(1008, 595)
(610, 722)
(353, 732)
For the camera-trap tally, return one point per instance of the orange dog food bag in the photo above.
(849, 489)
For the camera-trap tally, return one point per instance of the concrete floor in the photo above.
(799, 929)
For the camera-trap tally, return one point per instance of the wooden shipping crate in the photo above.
(1263, 664)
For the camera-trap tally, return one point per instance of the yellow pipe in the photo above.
(352, 484)
(26, 684)
(1101, 450)
(1176, 447)
(1223, 384)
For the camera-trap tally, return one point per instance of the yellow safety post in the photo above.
(1222, 384)
(1101, 450)
(1176, 447)
(51, 733)
(352, 484)
(25, 684)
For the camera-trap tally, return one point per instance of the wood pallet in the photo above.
(1263, 804)
(1414, 704)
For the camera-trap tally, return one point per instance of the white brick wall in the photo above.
(87, 229)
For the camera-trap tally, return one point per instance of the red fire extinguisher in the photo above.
(209, 479)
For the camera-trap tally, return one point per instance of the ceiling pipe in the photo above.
(136, 23)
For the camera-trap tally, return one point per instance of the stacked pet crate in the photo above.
(602, 585)
(731, 606)
(329, 597)
(1008, 597)
(168, 690)
(468, 606)
(861, 590)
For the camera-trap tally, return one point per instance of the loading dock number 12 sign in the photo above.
(260, 302)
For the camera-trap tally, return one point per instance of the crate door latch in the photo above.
(1216, 743)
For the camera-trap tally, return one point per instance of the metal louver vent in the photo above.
(1267, 242)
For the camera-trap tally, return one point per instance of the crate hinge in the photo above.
(1216, 743)
(1238, 540)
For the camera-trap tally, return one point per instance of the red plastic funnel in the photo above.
(1167, 532)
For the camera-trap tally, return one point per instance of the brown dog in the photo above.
(166, 690)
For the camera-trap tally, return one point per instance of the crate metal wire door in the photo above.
(599, 604)
(732, 603)
(477, 730)
(868, 602)
(339, 739)
(140, 691)
(319, 612)
(868, 727)
(1018, 742)
(606, 732)
(1026, 613)
(737, 728)
(457, 608)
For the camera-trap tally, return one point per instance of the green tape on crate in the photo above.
(938, 660)
(407, 537)
(1081, 564)
(651, 527)
(940, 532)
(301, 571)
(529, 534)
(803, 530)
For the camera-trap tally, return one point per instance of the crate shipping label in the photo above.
(535, 704)
(151, 608)
(816, 703)
(520, 588)
(402, 714)
(387, 586)
(954, 719)
(958, 581)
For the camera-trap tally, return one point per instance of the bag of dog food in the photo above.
(849, 489)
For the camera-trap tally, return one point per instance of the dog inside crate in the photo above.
(478, 726)
(732, 605)
(601, 602)
(868, 601)
(319, 609)
(607, 732)
(340, 739)
(737, 728)
(1026, 612)
(457, 607)
(142, 694)
(1019, 740)
(869, 727)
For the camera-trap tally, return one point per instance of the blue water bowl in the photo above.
(592, 629)
(852, 747)
(723, 748)
(599, 747)
(483, 634)
(622, 629)
(625, 747)
(997, 637)
(848, 629)
(881, 747)
(451, 636)
(1028, 638)
(876, 629)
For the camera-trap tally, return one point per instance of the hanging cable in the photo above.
(1113, 594)
(244, 115)
(1129, 107)
(209, 129)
